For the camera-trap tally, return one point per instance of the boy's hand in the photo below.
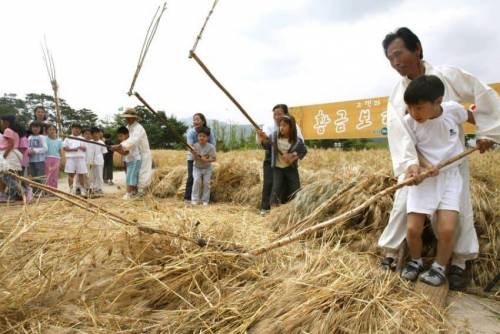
(31, 152)
(82, 148)
(205, 158)
(434, 170)
(484, 145)
(414, 171)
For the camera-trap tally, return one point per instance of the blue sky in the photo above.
(264, 51)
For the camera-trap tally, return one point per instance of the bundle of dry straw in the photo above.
(70, 270)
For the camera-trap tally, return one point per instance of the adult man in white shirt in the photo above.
(404, 51)
(138, 138)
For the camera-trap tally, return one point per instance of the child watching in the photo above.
(54, 153)
(132, 161)
(10, 155)
(37, 151)
(286, 149)
(108, 161)
(97, 181)
(75, 159)
(204, 155)
(434, 128)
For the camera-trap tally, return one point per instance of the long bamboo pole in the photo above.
(214, 79)
(94, 208)
(349, 214)
(164, 121)
(198, 38)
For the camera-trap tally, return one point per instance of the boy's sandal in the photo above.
(433, 277)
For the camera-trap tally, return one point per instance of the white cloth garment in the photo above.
(98, 153)
(12, 162)
(460, 86)
(90, 153)
(72, 144)
(96, 177)
(76, 165)
(138, 138)
(437, 139)
(436, 193)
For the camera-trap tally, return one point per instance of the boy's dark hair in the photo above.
(204, 130)
(94, 129)
(425, 88)
(51, 126)
(283, 107)
(76, 125)
(122, 130)
(107, 135)
(40, 107)
(292, 135)
(86, 130)
(409, 38)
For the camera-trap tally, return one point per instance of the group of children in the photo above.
(85, 160)
(37, 154)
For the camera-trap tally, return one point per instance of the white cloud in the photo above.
(265, 51)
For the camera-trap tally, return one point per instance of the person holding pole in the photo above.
(405, 54)
(263, 136)
(137, 138)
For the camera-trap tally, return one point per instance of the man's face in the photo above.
(402, 60)
(131, 120)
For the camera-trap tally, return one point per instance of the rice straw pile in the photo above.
(65, 270)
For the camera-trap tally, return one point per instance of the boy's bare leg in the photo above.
(83, 180)
(414, 232)
(71, 178)
(446, 224)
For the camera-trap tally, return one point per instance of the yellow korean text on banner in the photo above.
(365, 118)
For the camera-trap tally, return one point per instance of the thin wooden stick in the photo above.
(316, 211)
(51, 71)
(153, 26)
(236, 103)
(349, 214)
(164, 121)
(94, 208)
(198, 38)
(87, 141)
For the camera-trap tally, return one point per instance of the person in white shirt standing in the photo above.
(75, 159)
(433, 126)
(98, 151)
(404, 51)
(137, 138)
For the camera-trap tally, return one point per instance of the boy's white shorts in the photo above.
(441, 192)
(75, 166)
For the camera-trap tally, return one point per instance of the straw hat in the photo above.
(130, 113)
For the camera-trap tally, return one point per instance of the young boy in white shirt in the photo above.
(133, 163)
(75, 158)
(96, 177)
(434, 128)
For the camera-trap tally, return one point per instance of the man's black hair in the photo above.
(122, 130)
(425, 88)
(409, 38)
(204, 130)
(94, 129)
(76, 125)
